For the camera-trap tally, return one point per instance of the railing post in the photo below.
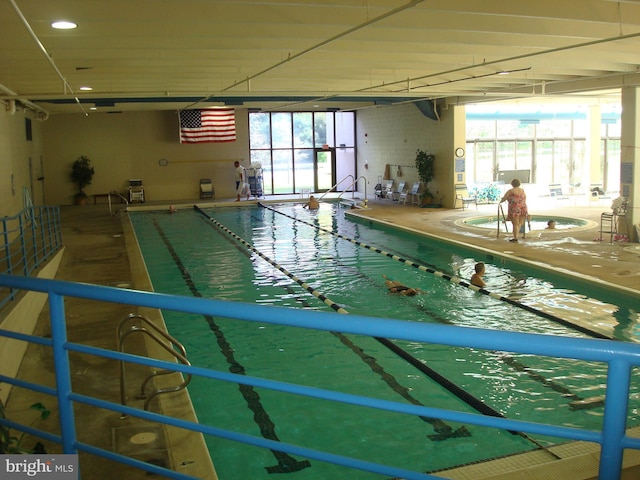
(23, 246)
(63, 373)
(615, 420)
(34, 237)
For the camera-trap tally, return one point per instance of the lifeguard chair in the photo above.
(136, 190)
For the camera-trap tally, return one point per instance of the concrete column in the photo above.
(630, 155)
(591, 172)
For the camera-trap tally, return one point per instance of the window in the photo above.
(286, 145)
(554, 150)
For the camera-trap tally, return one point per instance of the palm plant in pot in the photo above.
(424, 164)
(82, 173)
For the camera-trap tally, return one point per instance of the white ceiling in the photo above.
(291, 55)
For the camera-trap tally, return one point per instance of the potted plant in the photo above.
(424, 164)
(11, 443)
(82, 174)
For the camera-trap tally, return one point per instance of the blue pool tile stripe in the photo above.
(452, 279)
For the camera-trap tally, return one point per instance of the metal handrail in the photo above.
(27, 240)
(119, 195)
(621, 358)
(331, 189)
(504, 220)
(353, 183)
(158, 335)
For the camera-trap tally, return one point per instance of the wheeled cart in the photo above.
(254, 178)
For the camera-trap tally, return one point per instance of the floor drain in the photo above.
(143, 438)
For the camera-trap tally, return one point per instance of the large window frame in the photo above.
(553, 150)
(285, 144)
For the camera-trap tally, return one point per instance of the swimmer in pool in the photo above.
(476, 278)
(312, 204)
(397, 287)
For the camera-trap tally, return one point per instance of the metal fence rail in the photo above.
(27, 240)
(620, 358)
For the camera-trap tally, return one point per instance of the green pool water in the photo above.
(185, 253)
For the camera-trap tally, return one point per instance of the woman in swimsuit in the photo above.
(517, 211)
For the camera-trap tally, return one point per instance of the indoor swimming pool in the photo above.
(284, 255)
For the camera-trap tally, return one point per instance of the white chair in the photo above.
(388, 190)
(465, 198)
(395, 196)
(610, 221)
(136, 190)
(555, 192)
(413, 193)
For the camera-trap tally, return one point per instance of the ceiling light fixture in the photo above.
(86, 89)
(63, 25)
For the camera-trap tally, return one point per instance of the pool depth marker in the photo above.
(286, 463)
(451, 278)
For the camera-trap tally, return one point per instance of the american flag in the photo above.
(211, 125)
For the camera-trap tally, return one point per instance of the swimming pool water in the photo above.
(218, 266)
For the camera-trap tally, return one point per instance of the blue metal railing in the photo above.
(28, 239)
(620, 357)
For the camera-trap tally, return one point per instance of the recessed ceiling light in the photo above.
(86, 89)
(93, 108)
(63, 25)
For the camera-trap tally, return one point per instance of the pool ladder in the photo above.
(503, 218)
(142, 324)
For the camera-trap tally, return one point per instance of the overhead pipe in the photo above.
(41, 113)
(46, 54)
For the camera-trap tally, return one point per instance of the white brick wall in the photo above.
(392, 135)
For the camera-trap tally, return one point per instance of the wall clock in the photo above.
(459, 152)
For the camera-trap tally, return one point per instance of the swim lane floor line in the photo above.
(468, 398)
(577, 402)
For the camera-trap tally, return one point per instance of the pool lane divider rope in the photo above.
(286, 463)
(577, 402)
(459, 392)
(451, 278)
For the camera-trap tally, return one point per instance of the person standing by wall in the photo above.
(517, 210)
(239, 178)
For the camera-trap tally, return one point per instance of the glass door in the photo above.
(324, 168)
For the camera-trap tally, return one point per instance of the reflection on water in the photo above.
(517, 386)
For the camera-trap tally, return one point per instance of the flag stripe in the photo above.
(210, 125)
